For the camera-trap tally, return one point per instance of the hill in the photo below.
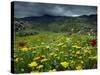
(46, 22)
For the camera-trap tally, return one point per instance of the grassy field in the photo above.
(49, 52)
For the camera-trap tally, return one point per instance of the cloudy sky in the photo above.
(26, 9)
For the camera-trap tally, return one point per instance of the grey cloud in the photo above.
(25, 9)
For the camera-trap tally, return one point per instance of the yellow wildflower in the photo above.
(73, 52)
(72, 62)
(61, 52)
(87, 51)
(34, 71)
(37, 58)
(80, 57)
(65, 64)
(24, 49)
(79, 67)
(57, 49)
(33, 64)
(92, 57)
(76, 46)
(48, 47)
(34, 51)
(64, 46)
(82, 62)
(17, 59)
(77, 52)
(60, 44)
(42, 43)
(53, 54)
(29, 48)
(43, 56)
(43, 60)
(52, 70)
(40, 66)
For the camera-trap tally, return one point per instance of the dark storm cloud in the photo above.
(25, 9)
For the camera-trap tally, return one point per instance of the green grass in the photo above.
(48, 51)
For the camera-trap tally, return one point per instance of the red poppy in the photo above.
(93, 42)
(21, 43)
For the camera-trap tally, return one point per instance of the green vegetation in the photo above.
(46, 52)
(46, 45)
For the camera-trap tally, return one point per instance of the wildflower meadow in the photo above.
(53, 37)
(50, 52)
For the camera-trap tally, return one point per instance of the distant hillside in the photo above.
(57, 23)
